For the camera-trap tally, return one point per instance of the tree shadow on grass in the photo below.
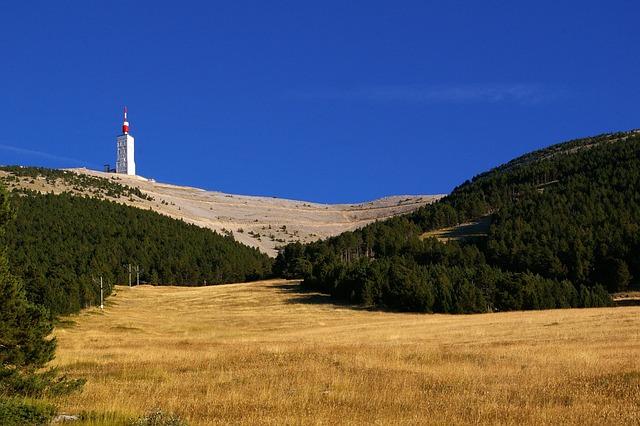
(627, 302)
(64, 323)
(300, 295)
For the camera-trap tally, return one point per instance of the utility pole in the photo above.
(128, 268)
(137, 274)
(101, 291)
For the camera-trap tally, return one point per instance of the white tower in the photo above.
(125, 162)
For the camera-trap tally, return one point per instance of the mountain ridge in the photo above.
(258, 221)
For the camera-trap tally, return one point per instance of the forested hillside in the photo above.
(258, 221)
(564, 229)
(58, 243)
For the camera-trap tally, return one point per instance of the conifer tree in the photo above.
(24, 327)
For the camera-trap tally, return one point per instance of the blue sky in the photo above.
(329, 101)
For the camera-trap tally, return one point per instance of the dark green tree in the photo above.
(24, 327)
(25, 346)
(563, 225)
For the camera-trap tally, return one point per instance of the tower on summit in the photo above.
(125, 162)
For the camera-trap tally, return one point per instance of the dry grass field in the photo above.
(264, 353)
(474, 229)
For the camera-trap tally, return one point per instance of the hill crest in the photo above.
(257, 221)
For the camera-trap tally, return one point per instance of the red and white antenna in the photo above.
(125, 123)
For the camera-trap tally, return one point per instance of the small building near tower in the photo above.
(125, 162)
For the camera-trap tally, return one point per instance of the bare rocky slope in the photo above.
(262, 222)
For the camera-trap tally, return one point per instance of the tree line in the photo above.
(58, 244)
(564, 232)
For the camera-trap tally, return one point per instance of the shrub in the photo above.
(20, 412)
